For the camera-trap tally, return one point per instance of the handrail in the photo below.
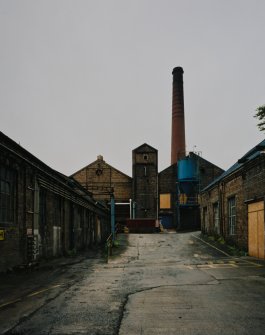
(109, 244)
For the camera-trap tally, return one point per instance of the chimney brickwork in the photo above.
(178, 146)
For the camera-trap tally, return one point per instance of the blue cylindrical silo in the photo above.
(187, 169)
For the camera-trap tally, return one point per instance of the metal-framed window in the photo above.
(232, 216)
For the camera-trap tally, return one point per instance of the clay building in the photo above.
(43, 213)
(232, 206)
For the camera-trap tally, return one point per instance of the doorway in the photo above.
(256, 229)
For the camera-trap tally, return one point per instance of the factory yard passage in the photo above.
(167, 283)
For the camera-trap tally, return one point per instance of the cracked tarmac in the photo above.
(158, 284)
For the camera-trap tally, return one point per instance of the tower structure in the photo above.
(145, 181)
(178, 146)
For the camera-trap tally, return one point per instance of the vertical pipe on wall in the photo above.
(112, 210)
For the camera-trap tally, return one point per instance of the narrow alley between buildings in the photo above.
(171, 283)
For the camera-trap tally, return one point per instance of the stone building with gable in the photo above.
(232, 206)
(104, 181)
(43, 213)
(148, 194)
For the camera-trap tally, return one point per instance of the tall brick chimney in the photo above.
(178, 145)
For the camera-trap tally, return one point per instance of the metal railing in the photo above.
(110, 242)
(109, 245)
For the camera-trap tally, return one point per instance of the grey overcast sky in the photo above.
(79, 78)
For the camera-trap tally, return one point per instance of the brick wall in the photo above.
(167, 185)
(145, 181)
(247, 184)
(101, 179)
(42, 213)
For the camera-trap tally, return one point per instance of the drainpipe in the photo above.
(130, 200)
(221, 202)
(112, 211)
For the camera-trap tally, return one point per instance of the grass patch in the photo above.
(220, 243)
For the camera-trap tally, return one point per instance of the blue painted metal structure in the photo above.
(188, 182)
(187, 193)
(187, 169)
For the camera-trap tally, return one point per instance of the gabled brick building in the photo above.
(148, 194)
(43, 213)
(104, 181)
(233, 205)
(177, 207)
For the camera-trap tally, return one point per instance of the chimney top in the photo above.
(100, 158)
(177, 70)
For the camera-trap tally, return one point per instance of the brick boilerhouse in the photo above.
(43, 213)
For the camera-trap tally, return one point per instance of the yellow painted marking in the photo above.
(2, 235)
(41, 291)
(242, 260)
(30, 295)
(189, 267)
(211, 246)
(214, 267)
(233, 265)
(9, 303)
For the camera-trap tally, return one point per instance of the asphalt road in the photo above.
(154, 284)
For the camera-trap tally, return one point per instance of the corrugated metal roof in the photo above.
(250, 155)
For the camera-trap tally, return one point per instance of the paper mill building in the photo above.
(170, 195)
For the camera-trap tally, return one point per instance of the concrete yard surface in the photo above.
(153, 284)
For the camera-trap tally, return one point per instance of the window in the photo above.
(165, 201)
(205, 219)
(42, 212)
(145, 156)
(232, 215)
(216, 217)
(6, 195)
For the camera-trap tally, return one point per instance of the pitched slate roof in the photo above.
(145, 148)
(249, 156)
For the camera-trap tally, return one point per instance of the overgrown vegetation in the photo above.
(220, 243)
(260, 115)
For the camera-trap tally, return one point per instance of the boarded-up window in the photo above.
(165, 201)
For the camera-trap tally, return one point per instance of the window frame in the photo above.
(216, 217)
(205, 220)
(231, 204)
(7, 195)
